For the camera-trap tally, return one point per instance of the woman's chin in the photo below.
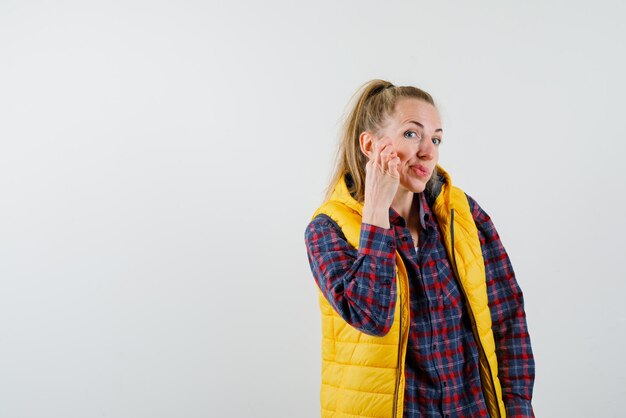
(414, 186)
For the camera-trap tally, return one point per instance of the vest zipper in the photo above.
(397, 391)
(473, 322)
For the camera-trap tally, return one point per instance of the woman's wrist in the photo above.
(376, 216)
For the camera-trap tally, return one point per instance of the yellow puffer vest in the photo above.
(363, 375)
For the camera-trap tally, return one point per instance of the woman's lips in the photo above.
(420, 170)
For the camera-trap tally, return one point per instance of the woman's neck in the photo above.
(403, 204)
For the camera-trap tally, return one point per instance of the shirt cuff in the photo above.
(377, 241)
(519, 409)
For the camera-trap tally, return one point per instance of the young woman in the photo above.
(421, 313)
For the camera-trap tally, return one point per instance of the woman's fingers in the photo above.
(382, 159)
(383, 153)
(382, 174)
(375, 152)
(387, 153)
(394, 166)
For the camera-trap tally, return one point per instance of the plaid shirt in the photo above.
(442, 378)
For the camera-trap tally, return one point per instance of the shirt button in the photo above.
(445, 384)
(389, 243)
(405, 239)
(434, 346)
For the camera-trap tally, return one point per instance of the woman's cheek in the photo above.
(403, 155)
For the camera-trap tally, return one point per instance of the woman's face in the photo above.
(415, 132)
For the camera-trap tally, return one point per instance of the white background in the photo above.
(159, 161)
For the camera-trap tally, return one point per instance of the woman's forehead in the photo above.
(414, 110)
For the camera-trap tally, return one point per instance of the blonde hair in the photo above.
(375, 101)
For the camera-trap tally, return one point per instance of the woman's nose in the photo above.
(426, 149)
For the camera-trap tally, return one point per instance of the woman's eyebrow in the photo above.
(422, 126)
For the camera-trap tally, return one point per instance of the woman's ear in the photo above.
(366, 142)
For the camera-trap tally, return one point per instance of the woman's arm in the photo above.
(516, 364)
(359, 284)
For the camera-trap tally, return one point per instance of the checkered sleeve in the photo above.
(516, 365)
(359, 284)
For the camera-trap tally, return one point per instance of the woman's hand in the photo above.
(382, 177)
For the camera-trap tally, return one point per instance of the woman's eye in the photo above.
(436, 141)
(411, 135)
